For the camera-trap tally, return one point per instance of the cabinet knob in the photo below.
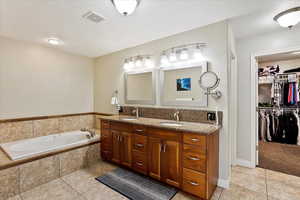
(193, 158)
(193, 183)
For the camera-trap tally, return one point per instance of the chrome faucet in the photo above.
(92, 133)
(176, 116)
(136, 112)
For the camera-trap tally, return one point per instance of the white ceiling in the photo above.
(261, 21)
(35, 20)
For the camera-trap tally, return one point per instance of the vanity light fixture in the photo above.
(148, 62)
(198, 55)
(296, 52)
(164, 59)
(138, 63)
(188, 54)
(288, 18)
(184, 54)
(172, 56)
(126, 7)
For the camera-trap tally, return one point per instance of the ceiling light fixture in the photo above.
(126, 7)
(54, 41)
(288, 18)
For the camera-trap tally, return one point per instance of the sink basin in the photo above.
(128, 119)
(173, 124)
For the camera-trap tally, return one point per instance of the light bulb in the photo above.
(125, 7)
(148, 63)
(164, 59)
(131, 64)
(126, 65)
(184, 55)
(198, 54)
(138, 62)
(172, 56)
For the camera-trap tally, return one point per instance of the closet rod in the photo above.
(276, 108)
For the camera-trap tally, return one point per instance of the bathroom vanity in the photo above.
(184, 155)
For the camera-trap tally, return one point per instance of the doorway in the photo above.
(275, 117)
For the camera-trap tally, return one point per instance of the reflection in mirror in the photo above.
(139, 88)
(181, 87)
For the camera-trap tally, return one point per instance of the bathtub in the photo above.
(21, 149)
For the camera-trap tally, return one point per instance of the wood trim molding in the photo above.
(51, 117)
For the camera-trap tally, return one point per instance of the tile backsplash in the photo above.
(188, 115)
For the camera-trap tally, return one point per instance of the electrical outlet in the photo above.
(211, 116)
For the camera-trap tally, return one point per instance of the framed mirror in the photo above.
(179, 86)
(140, 88)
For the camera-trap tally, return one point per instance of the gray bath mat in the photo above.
(135, 186)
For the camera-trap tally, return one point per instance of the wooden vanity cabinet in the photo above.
(188, 161)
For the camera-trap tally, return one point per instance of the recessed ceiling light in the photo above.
(288, 18)
(125, 7)
(54, 41)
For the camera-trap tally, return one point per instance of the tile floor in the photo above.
(246, 184)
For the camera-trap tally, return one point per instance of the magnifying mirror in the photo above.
(210, 81)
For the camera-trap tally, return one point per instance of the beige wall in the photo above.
(109, 74)
(36, 80)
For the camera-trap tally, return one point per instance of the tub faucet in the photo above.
(91, 132)
(176, 116)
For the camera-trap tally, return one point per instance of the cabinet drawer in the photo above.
(195, 139)
(121, 126)
(139, 162)
(104, 124)
(193, 158)
(194, 182)
(139, 142)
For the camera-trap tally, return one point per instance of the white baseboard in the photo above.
(223, 183)
(244, 163)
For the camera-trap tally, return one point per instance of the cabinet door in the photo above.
(171, 162)
(126, 147)
(106, 144)
(116, 157)
(154, 156)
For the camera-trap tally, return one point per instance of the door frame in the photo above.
(254, 97)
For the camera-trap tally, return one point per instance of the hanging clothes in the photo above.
(279, 127)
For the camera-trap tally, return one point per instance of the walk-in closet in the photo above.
(279, 112)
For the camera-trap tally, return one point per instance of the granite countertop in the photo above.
(201, 128)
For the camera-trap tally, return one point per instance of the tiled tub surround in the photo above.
(22, 149)
(24, 177)
(18, 129)
(188, 115)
